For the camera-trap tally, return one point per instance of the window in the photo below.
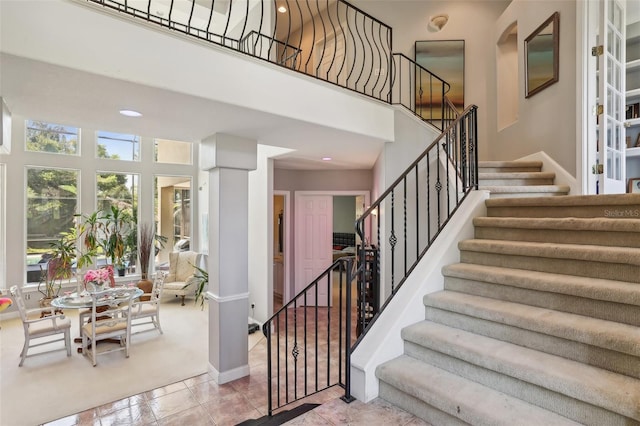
(52, 200)
(118, 189)
(173, 152)
(173, 213)
(181, 214)
(118, 146)
(53, 138)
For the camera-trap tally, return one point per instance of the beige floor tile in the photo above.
(197, 416)
(106, 409)
(134, 415)
(172, 403)
(165, 390)
(211, 391)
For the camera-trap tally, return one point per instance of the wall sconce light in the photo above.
(437, 22)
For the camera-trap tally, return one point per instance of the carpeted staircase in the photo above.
(518, 179)
(539, 323)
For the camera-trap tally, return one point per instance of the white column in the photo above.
(228, 159)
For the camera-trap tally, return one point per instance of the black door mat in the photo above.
(281, 417)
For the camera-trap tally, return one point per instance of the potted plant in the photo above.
(88, 230)
(58, 267)
(145, 246)
(117, 226)
(201, 280)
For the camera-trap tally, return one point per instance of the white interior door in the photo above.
(611, 94)
(313, 254)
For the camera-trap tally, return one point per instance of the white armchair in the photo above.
(181, 273)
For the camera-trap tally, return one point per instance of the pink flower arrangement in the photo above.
(99, 277)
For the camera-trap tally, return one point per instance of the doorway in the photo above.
(281, 248)
(314, 228)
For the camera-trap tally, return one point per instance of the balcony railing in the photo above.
(330, 40)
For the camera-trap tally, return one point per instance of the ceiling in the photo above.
(42, 91)
(39, 90)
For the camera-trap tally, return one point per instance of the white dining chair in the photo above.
(149, 310)
(39, 323)
(110, 319)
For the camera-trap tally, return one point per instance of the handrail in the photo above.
(419, 90)
(439, 180)
(288, 340)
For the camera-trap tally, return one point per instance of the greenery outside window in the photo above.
(118, 146)
(118, 189)
(51, 138)
(52, 200)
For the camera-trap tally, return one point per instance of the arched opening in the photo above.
(507, 77)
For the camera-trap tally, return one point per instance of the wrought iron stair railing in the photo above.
(309, 339)
(336, 42)
(403, 222)
(406, 219)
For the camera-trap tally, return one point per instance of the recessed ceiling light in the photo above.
(282, 9)
(327, 158)
(130, 113)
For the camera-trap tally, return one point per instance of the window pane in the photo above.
(173, 152)
(118, 146)
(49, 137)
(118, 189)
(51, 203)
(173, 214)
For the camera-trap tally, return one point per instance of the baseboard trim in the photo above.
(230, 375)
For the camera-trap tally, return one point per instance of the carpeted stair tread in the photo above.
(516, 175)
(523, 189)
(591, 385)
(609, 335)
(470, 401)
(620, 255)
(567, 223)
(592, 288)
(609, 201)
(509, 164)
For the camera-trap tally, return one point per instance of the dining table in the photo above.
(83, 300)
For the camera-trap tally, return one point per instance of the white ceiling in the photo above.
(38, 90)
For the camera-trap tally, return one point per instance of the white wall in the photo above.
(547, 120)
(472, 21)
(261, 234)
(213, 72)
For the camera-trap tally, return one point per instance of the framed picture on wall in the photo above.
(445, 60)
(634, 186)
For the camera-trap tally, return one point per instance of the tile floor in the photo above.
(200, 401)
